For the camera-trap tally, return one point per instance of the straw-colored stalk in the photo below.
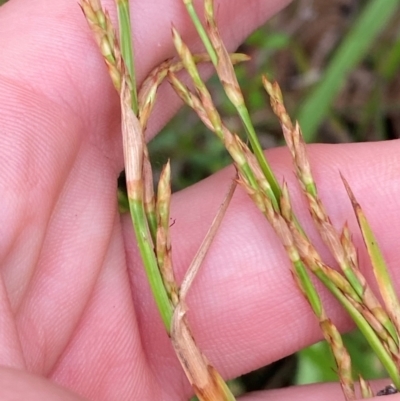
(163, 242)
(204, 378)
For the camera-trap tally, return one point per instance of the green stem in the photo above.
(150, 262)
(152, 221)
(125, 30)
(308, 288)
(241, 108)
(258, 152)
(201, 31)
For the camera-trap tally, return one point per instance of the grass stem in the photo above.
(124, 21)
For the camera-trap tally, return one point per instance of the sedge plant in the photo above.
(150, 211)
(379, 323)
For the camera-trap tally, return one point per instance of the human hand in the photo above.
(75, 308)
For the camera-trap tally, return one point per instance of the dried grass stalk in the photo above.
(204, 378)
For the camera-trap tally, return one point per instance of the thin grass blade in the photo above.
(205, 380)
(379, 266)
(205, 245)
(373, 19)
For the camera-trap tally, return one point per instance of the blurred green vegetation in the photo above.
(316, 364)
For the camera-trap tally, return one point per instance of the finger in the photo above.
(19, 385)
(327, 391)
(244, 307)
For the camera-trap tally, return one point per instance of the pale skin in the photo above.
(76, 315)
